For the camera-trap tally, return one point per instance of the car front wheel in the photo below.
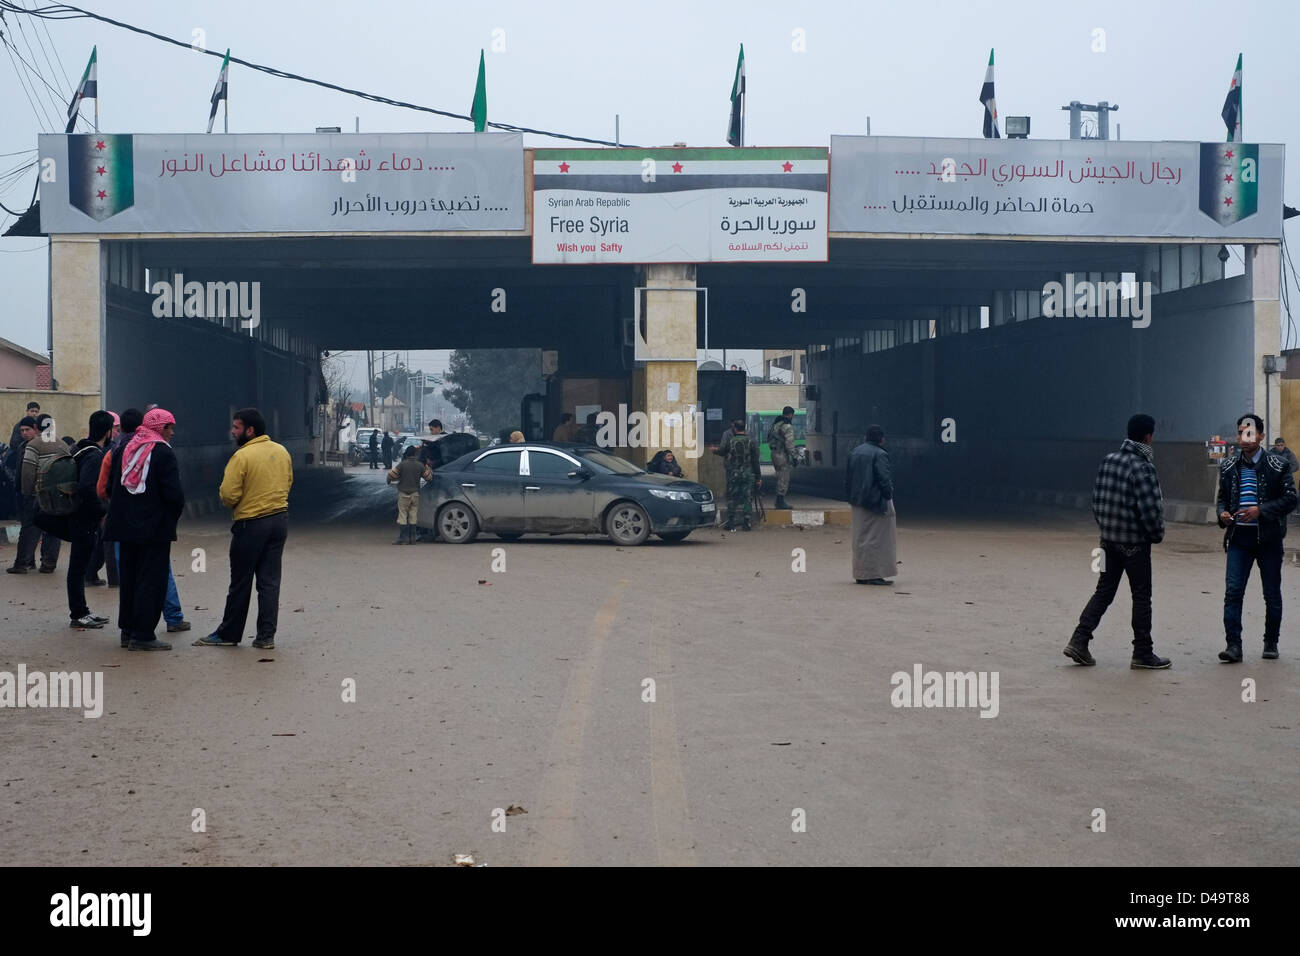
(457, 523)
(628, 523)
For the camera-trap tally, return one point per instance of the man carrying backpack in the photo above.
(83, 522)
(40, 451)
(740, 457)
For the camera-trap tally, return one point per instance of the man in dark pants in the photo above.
(39, 445)
(145, 503)
(83, 524)
(374, 449)
(387, 445)
(1256, 493)
(1129, 509)
(256, 487)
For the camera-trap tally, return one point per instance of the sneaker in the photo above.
(48, 568)
(875, 581)
(1270, 650)
(100, 618)
(1231, 654)
(729, 526)
(1149, 661)
(265, 643)
(154, 645)
(15, 569)
(182, 626)
(747, 525)
(95, 582)
(87, 622)
(1077, 651)
(213, 641)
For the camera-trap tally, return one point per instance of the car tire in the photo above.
(457, 523)
(672, 537)
(509, 535)
(627, 523)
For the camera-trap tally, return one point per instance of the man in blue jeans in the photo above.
(1256, 493)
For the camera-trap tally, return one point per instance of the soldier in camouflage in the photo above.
(781, 440)
(739, 452)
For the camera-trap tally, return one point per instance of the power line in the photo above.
(42, 122)
(64, 11)
(22, 30)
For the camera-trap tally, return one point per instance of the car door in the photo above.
(494, 486)
(554, 502)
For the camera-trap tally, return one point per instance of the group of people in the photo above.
(1256, 493)
(116, 497)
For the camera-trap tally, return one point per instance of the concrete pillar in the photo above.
(1263, 272)
(77, 314)
(668, 318)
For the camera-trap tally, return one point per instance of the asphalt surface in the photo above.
(478, 690)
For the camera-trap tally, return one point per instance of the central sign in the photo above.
(680, 205)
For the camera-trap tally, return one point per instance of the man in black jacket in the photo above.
(1256, 493)
(83, 524)
(869, 487)
(145, 504)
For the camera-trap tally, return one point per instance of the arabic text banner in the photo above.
(123, 183)
(1226, 191)
(680, 205)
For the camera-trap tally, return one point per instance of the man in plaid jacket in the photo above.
(1127, 505)
(1256, 493)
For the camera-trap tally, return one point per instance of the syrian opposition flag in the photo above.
(88, 89)
(736, 128)
(220, 92)
(478, 110)
(990, 104)
(1232, 106)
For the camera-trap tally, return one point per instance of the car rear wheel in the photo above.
(457, 523)
(628, 523)
(672, 537)
(510, 535)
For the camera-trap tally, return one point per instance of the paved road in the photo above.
(479, 690)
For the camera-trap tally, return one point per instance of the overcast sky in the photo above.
(665, 67)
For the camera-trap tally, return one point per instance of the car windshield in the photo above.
(610, 464)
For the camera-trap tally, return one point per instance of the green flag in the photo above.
(736, 127)
(479, 110)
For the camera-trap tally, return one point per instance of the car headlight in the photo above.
(671, 495)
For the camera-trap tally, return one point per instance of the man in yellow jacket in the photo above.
(256, 488)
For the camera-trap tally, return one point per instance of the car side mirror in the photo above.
(581, 474)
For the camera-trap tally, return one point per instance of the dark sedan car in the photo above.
(559, 488)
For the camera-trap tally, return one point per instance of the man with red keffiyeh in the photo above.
(145, 503)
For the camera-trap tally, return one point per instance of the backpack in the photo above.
(739, 456)
(56, 484)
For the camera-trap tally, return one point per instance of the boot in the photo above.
(780, 504)
(410, 533)
(401, 534)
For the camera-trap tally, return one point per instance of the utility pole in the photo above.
(370, 382)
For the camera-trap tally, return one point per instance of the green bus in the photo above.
(759, 423)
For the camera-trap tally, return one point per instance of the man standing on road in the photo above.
(1256, 493)
(256, 487)
(146, 501)
(83, 524)
(740, 457)
(781, 440)
(1129, 510)
(43, 446)
(1280, 449)
(387, 445)
(869, 488)
(374, 449)
(408, 474)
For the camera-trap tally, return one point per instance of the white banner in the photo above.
(898, 185)
(680, 205)
(409, 182)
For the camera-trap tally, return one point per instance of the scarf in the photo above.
(139, 450)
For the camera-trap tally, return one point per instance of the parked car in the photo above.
(559, 488)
